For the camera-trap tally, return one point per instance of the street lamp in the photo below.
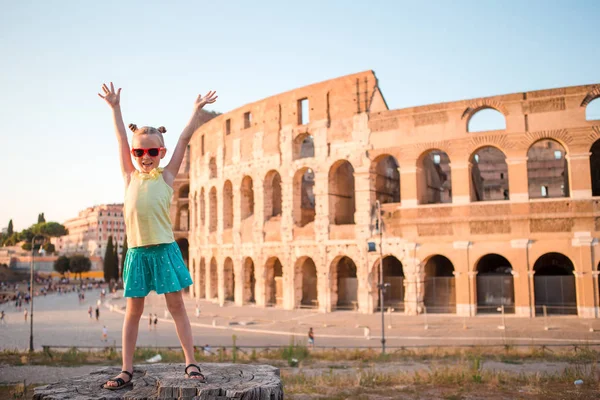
(381, 286)
(42, 252)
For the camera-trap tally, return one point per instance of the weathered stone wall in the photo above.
(267, 184)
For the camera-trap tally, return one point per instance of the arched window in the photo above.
(434, 178)
(440, 291)
(212, 168)
(547, 170)
(385, 179)
(227, 205)
(554, 285)
(304, 146)
(342, 204)
(247, 193)
(489, 175)
(486, 119)
(212, 222)
(595, 167)
(592, 111)
(304, 197)
(344, 276)
(272, 195)
(495, 287)
(184, 192)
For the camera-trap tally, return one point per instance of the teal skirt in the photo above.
(160, 268)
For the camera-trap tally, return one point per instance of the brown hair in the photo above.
(149, 130)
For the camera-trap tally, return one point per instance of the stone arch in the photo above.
(595, 167)
(489, 174)
(495, 284)
(306, 268)
(274, 282)
(554, 284)
(213, 286)
(591, 96)
(343, 283)
(184, 247)
(304, 197)
(303, 146)
(272, 196)
(212, 221)
(229, 279)
(434, 177)
(249, 274)
(342, 200)
(385, 179)
(440, 289)
(547, 170)
(212, 168)
(247, 197)
(184, 192)
(202, 279)
(592, 110)
(202, 207)
(481, 104)
(227, 205)
(183, 218)
(393, 275)
(486, 118)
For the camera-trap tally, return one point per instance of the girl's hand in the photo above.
(208, 98)
(113, 99)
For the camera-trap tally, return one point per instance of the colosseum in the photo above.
(310, 197)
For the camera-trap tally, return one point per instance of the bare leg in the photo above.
(133, 313)
(182, 324)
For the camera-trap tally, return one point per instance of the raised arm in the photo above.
(172, 168)
(113, 99)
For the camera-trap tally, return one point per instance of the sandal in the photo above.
(120, 382)
(189, 375)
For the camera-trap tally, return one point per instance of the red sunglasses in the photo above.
(153, 152)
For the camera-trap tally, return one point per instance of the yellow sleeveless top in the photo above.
(146, 209)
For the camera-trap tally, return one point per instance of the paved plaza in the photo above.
(61, 320)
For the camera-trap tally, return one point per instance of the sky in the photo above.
(59, 149)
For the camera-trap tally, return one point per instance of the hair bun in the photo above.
(162, 129)
(133, 127)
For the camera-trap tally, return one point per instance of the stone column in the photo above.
(259, 210)
(362, 213)
(237, 212)
(466, 299)
(584, 278)
(461, 182)
(408, 184)
(580, 179)
(322, 206)
(240, 280)
(521, 280)
(414, 279)
(518, 185)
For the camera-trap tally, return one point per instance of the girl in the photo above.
(153, 261)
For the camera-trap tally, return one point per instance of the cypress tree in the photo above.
(41, 218)
(109, 261)
(9, 231)
(123, 254)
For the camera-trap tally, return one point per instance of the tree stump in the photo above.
(167, 381)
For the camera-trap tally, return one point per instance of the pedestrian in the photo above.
(104, 333)
(150, 321)
(97, 313)
(2, 315)
(367, 332)
(152, 247)
(25, 314)
(207, 351)
(311, 337)
(90, 311)
(197, 311)
(155, 320)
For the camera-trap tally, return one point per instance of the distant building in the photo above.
(89, 231)
(17, 258)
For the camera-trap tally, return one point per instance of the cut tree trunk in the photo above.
(167, 381)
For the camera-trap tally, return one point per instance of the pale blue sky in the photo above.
(59, 151)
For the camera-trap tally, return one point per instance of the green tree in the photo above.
(9, 231)
(47, 229)
(123, 254)
(49, 248)
(79, 264)
(109, 261)
(41, 218)
(116, 261)
(62, 264)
